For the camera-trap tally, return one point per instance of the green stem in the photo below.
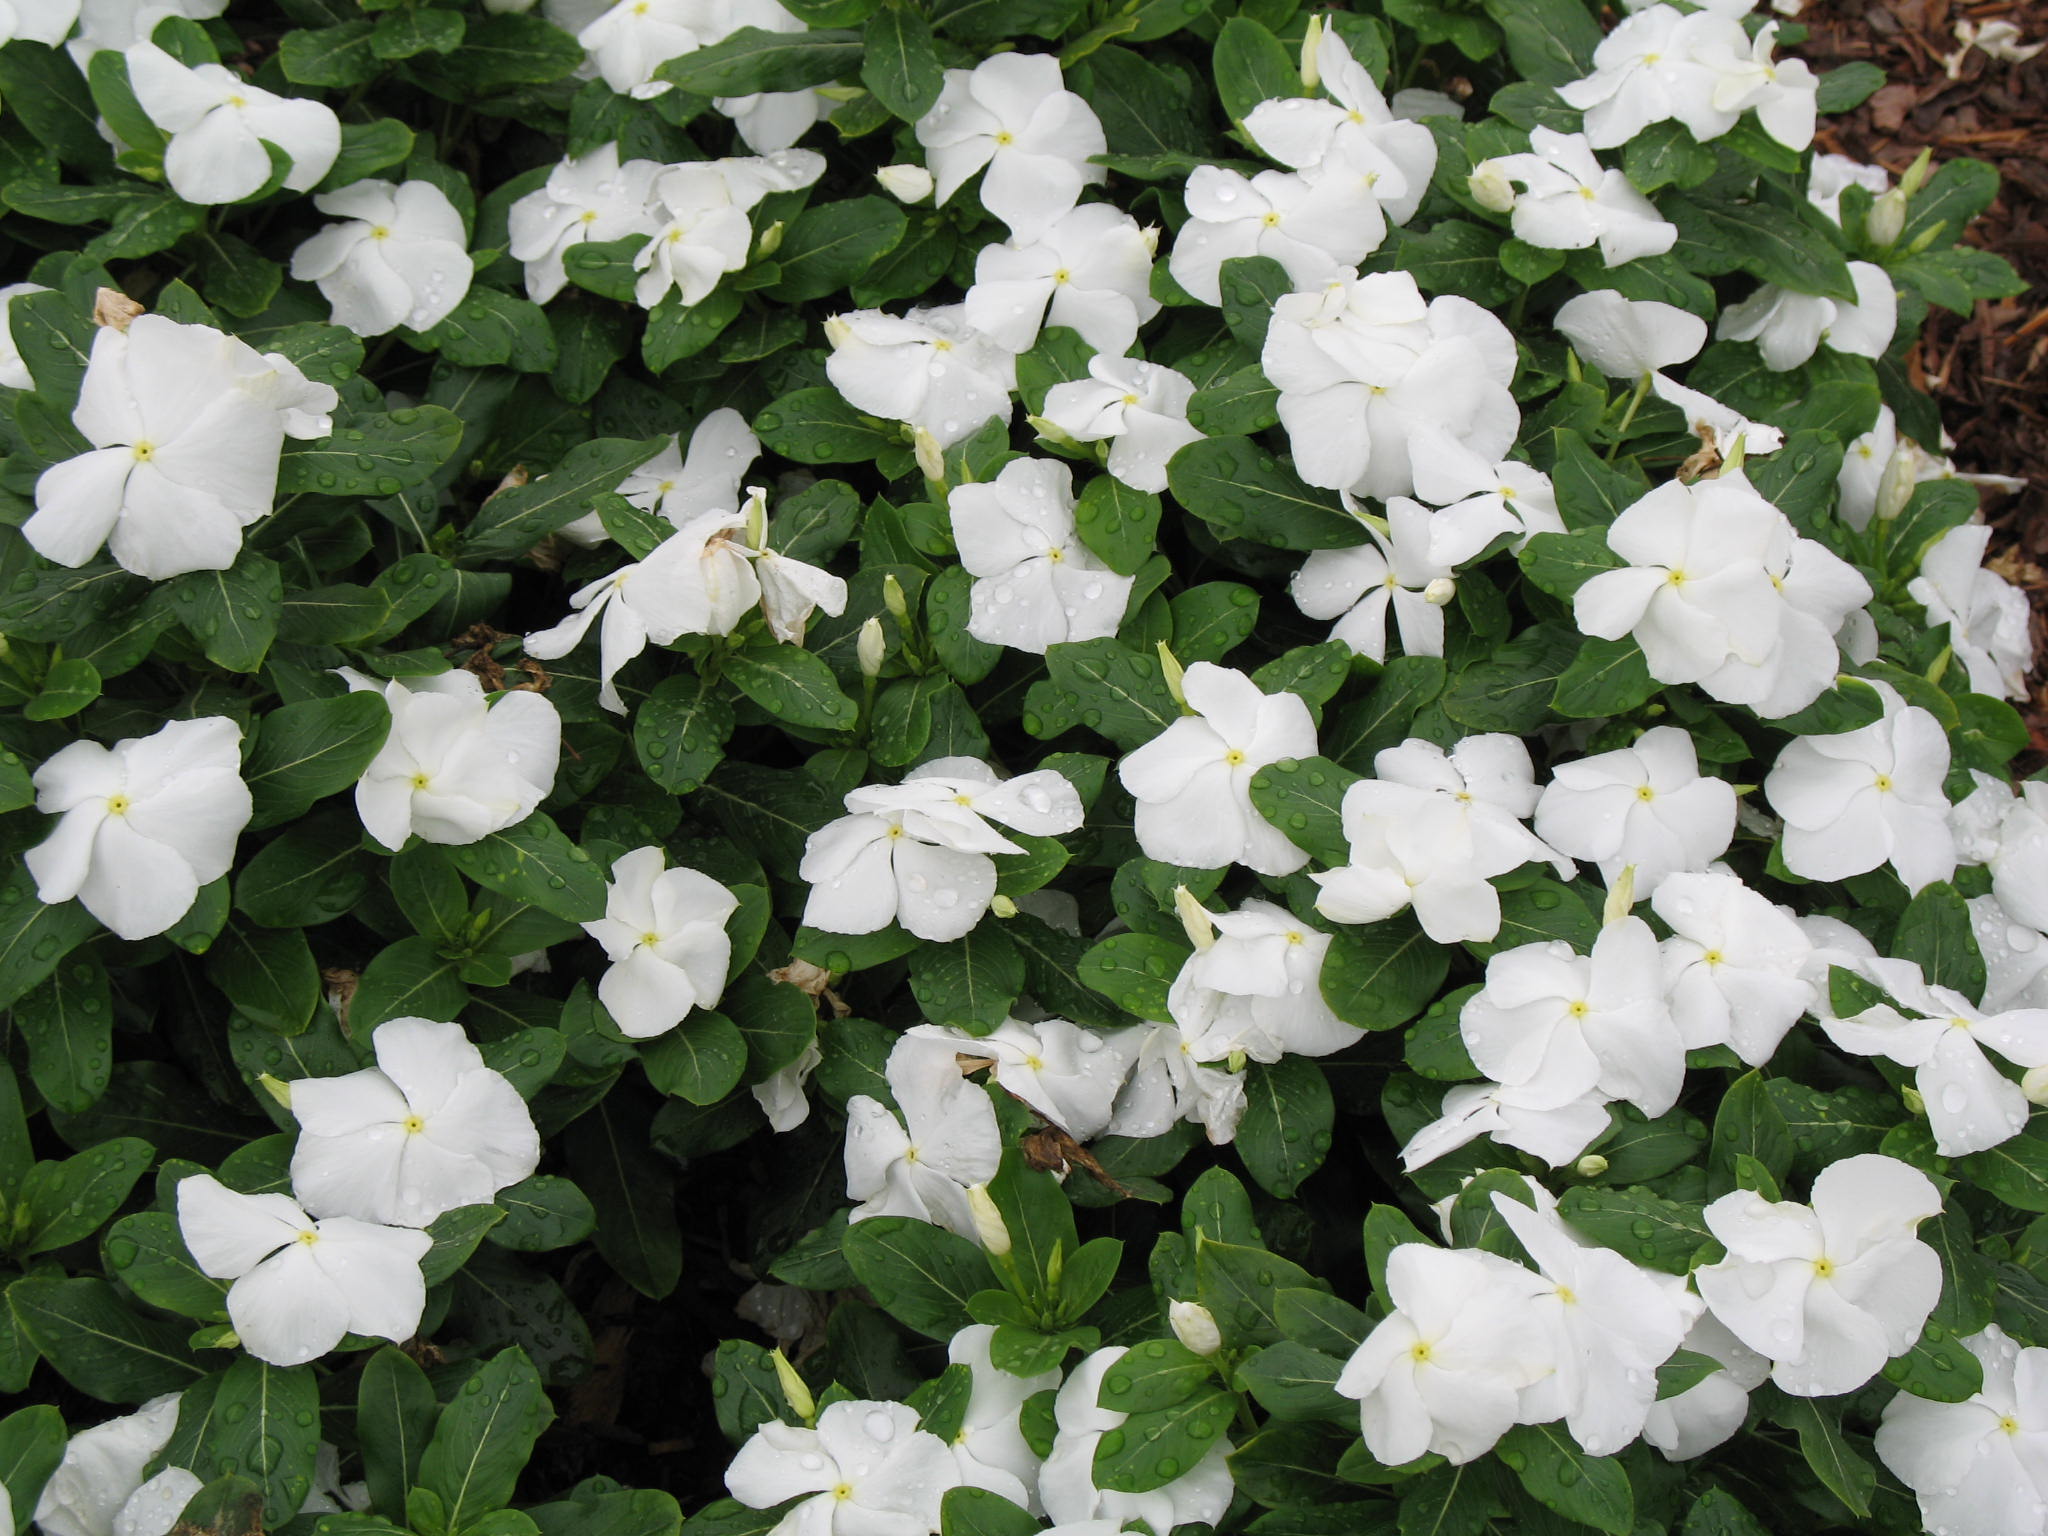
(1635, 403)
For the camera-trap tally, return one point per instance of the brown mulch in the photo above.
(1990, 370)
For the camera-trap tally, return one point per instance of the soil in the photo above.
(1989, 370)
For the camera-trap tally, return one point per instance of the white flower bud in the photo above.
(1194, 1326)
(756, 510)
(1490, 187)
(988, 1221)
(1915, 1104)
(1440, 591)
(771, 241)
(1002, 906)
(2035, 1085)
(1591, 1166)
(1895, 485)
(905, 183)
(1170, 664)
(1194, 917)
(1887, 220)
(894, 600)
(837, 332)
(1311, 44)
(931, 457)
(1621, 896)
(794, 1390)
(871, 646)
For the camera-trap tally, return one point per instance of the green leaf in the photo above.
(35, 937)
(1944, 206)
(1119, 525)
(233, 613)
(1748, 1122)
(1238, 1284)
(61, 1203)
(1243, 402)
(405, 33)
(679, 733)
(98, 1343)
(971, 983)
(409, 979)
(535, 862)
(146, 1253)
(1847, 86)
(313, 749)
(1512, 689)
(1776, 244)
(492, 328)
(32, 1444)
(1134, 971)
(1155, 1446)
(919, 1274)
(367, 148)
(817, 426)
(1294, 1382)
(339, 55)
(542, 1213)
(379, 454)
(899, 62)
(632, 1193)
(1303, 799)
(395, 1413)
(751, 60)
(1641, 1226)
(500, 51)
(1934, 933)
(828, 246)
(1249, 286)
(515, 520)
(455, 1235)
(1122, 692)
(484, 1437)
(67, 1024)
(1242, 491)
(268, 974)
(1827, 1451)
(1251, 65)
(2015, 1171)
(1381, 975)
(263, 1423)
(1593, 1490)
(792, 684)
(702, 1059)
(1561, 563)
(1285, 1133)
(1607, 677)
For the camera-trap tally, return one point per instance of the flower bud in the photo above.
(1002, 906)
(757, 517)
(1887, 218)
(1490, 187)
(2035, 1085)
(1915, 1104)
(1916, 173)
(771, 241)
(793, 1389)
(1053, 433)
(871, 646)
(1591, 1166)
(1170, 665)
(894, 600)
(988, 1222)
(1440, 591)
(1195, 1326)
(1235, 1062)
(1194, 917)
(1895, 485)
(905, 183)
(1621, 896)
(837, 332)
(276, 1088)
(1311, 70)
(931, 458)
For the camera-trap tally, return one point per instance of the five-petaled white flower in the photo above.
(402, 257)
(1140, 409)
(177, 469)
(1199, 1494)
(1193, 780)
(144, 824)
(1255, 987)
(1788, 326)
(629, 41)
(867, 1469)
(1036, 584)
(1407, 570)
(427, 1129)
(1987, 616)
(300, 1284)
(1467, 487)
(14, 372)
(664, 932)
(919, 1159)
(702, 233)
(1166, 1085)
(455, 767)
(1733, 965)
(1648, 70)
(1090, 270)
(102, 1470)
(1831, 1290)
(1646, 807)
(220, 126)
(1013, 114)
(1707, 1413)
(1067, 1073)
(1531, 1118)
(592, 198)
(1316, 227)
(1857, 800)
(930, 368)
(1978, 1467)
(1354, 128)
(1570, 201)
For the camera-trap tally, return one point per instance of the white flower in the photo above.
(1706, 1413)
(1648, 70)
(1720, 591)
(2015, 956)
(1883, 461)
(115, 24)
(680, 486)
(1430, 831)
(921, 1164)
(1066, 1483)
(1257, 988)
(1782, 92)
(219, 124)
(929, 369)
(401, 259)
(591, 198)
(633, 39)
(792, 591)
(1036, 584)
(1012, 114)
(702, 235)
(1987, 616)
(1645, 806)
(455, 768)
(1358, 586)
(38, 21)
(1192, 781)
(1166, 1085)
(664, 932)
(868, 1468)
(186, 426)
(906, 183)
(1069, 1074)
(1371, 377)
(1978, 1467)
(1611, 1324)
(781, 1095)
(989, 1449)
(1971, 1105)
(1471, 490)
(769, 122)
(1443, 1371)
(1832, 175)
(1860, 799)
(1571, 201)
(1831, 1290)
(1089, 270)
(102, 1469)
(144, 824)
(427, 1129)
(1139, 408)
(1354, 127)
(1788, 326)
(1529, 1118)
(300, 1284)
(918, 852)
(2008, 831)
(14, 372)
(1578, 1022)
(1315, 227)
(1733, 965)
(1627, 338)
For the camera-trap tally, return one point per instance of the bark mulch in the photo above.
(1989, 370)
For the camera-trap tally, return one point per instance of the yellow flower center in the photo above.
(413, 1125)
(1063, 276)
(650, 939)
(117, 805)
(1270, 219)
(309, 1237)
(843, 1491)
(1056, 555)
(1713, 957)
(1824, 1268)
(942, 345)
(1580, 1008)
(238, 101)
(1884, 783)
(1294, 936)
(1419, 1351)
(1567, 1295)
(1233, 757)
(1676, 578)
(1645, 793)
(589, 215)
(2009, 1424)
(380, 232)
(1130, 399)
(1005, 138)
(144, 451)
(910, 1154)
(420, 781)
